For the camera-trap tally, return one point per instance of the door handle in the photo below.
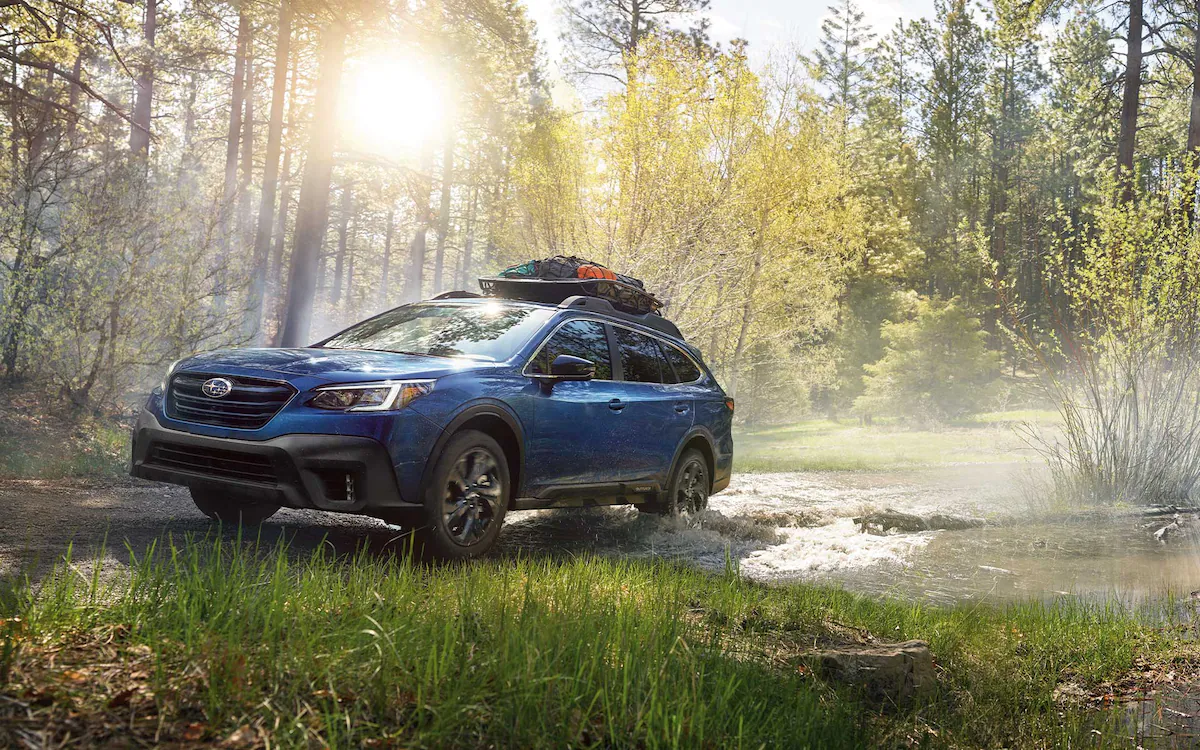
(616, 404)
(682, 408)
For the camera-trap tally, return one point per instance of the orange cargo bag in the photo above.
(590, 271)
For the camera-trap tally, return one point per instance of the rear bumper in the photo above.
(724, 470)
(342, 473)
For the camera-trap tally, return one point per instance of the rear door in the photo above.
(655, 414)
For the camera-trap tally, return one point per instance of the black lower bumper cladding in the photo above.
(325, 472)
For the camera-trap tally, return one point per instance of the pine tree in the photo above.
(841, 61)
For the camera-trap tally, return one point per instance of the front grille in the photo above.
(212, 461)
(250, 404)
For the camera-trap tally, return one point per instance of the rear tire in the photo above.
(689, 488)
(466, 499)
(229, 509)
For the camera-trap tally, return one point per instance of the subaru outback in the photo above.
(444, 415)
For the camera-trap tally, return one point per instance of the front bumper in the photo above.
(349, 474)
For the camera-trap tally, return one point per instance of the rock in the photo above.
(1163, 534)
(880, 522)
(1069, 693)
(890, 673)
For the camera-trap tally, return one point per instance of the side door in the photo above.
(574, 423)
(655, 416)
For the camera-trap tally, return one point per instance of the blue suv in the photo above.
(443, 415)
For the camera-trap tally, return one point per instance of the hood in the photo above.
(336, 365)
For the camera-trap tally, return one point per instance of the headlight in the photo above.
(388, 396)
(170, 371)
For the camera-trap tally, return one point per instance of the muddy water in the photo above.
(798, 527)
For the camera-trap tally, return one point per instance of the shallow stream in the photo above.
(798, 527)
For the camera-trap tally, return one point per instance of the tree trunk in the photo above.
(1130, 102)
(998, 206)
(343, 240)
(232, 140)
(313, 212)
(73, 100)
(469, 242)
(285, 201)
(266, 206)
(245, 228)
(439, 258)
(1193, 135)
(186, 181)
(497, 215)
(1192, 164)
(416, 250)
(139, 134)
(14, 122)
(387, 258)
(350, 306)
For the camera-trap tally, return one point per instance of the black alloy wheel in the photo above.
(467, 497)
(471, 497)
(690, 485)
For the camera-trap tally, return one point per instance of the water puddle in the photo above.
(1170, 719)
(798, 527)
(1100, 560)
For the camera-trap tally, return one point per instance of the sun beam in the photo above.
(391, 105)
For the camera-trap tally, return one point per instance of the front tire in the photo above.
(467, 497)
(228, 509)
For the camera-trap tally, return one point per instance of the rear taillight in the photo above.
(729, 403)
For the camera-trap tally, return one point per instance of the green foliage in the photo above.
(870, 302)
(936, 367)
(842, 58)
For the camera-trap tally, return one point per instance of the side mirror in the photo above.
(566, 367)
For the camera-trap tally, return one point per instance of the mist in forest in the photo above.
(901, 225)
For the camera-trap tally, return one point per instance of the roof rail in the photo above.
(593, 304)
(458, 294)
(604, 307)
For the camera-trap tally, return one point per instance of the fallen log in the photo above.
(1168, 510)
(881, 522)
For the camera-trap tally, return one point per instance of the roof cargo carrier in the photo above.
(568, 281)
(553, 291)
(594, 295)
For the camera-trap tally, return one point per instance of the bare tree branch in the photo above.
(72, 78)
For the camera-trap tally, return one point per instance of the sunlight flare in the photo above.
(391, 105)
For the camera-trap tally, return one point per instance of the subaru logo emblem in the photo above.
(217, 387)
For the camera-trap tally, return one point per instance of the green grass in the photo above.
(825, 445)
(209, 636)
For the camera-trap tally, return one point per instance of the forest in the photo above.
(944, 271)
(903, 222)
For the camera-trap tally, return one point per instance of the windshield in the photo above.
(491, 331)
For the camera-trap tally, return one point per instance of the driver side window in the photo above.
(579, 338)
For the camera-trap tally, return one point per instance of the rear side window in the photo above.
(579, 338)
(640, 358)
(685, 368)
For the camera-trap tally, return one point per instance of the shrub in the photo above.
(1131, 424)
(936, 367)
(1122, 359)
